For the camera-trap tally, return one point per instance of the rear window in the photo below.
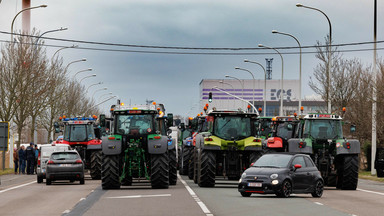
(64, 156)
(47, 150)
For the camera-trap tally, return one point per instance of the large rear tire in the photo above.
(110, 172)
(186, 156)
(350, 172)
(191, 166)
(96, 165)
(207, 170)
(172, 167)
(159, 171)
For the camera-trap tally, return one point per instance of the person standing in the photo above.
(36, 157)
(16, 159)
(22, 159)
(30, 154)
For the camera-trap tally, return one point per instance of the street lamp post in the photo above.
(253, 77)
(102, 89)
(73, 46)
(222, 82)
(241, 83)
(282, 77)
(105, 94)
(99, 83)
(93, 75)
(55, 30)
(89, 69)
(265, 83)
(30, 8)
(290, 35)
(80, 60)
(329, 52)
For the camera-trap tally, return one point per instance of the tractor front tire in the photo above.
(96, 165)
(172, 167)
(350, 172)
(159, 171)
(207, 170)
(110, 172)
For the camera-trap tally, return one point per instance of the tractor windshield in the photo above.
(264, 127)
(134, 124)
(323, 129)
(232, 127)
(79, 132)
(283, 130)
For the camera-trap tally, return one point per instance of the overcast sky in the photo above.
(173, 79)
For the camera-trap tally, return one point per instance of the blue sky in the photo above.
(174, 79)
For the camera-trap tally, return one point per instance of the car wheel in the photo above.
(319, 187)
(82, 181)
(245, 194)
(286, 189)
(48, 181)
(39, 179)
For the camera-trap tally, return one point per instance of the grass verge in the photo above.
(6, 171)
(367, 175)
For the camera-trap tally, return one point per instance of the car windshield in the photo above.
(65, 156)
(323, 129)
(232, 127)
(79, 132)
(273, 160)
(134, 124)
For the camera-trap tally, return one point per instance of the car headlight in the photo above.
(244, 175)
(274, 176)
(275, 182)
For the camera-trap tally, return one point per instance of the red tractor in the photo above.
(83, 135)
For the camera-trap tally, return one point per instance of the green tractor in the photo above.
(264, 127)
(138, 146)
(337, 158)
(227, 148)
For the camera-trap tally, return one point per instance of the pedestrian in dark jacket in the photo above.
(30, 154)
(22, 159)
(16, 159)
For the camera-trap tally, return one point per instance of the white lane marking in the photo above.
(19, 186)
(374, 192)
(319, 203)
(195, 197)
(140, 196)
(66, 211)
(81, 199)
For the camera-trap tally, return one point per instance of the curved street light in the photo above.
(241, 83)
(89, 69)
(105, 94)
(80, 60)
(253, 77)
(99, 83)
(222, 82)
(282, 77)
(329, 52)
(102, 89)
(73, 46)
(93, 75)
(265, 83)
(30, 8)
(297, 40)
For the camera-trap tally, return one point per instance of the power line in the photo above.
(193, 53)
(188, 48)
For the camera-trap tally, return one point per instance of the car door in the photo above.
(299, 176)
(311, 173)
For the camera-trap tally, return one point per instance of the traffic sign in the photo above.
(4, 135)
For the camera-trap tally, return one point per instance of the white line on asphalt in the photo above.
(81, 199)
(319, 203)
(195, 197)
(140, 196)
(66, 211)
(19, 186)
(374, 192)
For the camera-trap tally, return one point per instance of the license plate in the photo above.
(64, 165)
(254, 184)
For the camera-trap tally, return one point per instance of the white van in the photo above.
(45, 152)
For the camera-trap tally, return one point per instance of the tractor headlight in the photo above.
(274, 176)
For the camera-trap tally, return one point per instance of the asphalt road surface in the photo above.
(21, 195)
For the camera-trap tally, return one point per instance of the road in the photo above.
(21, 195)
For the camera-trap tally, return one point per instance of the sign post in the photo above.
(4, 141)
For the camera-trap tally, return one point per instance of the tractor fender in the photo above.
(158, 146)
(341, 147)
(294, 146)
(171, 144)
(111, 147)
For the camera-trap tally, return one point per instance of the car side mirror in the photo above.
(296, 166)
(352, 129)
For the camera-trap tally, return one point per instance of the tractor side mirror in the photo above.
(97, 133)
(169, 119)
(57, 127)
(182, 126)
(169, 131)
(289, 127)
(102, 120)
(352, 129)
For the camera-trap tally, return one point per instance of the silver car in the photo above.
(45, 152)
(65, 165)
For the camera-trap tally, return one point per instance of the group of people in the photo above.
(26, 158)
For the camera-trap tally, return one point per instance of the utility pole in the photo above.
(26, 17)
(374, 96)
